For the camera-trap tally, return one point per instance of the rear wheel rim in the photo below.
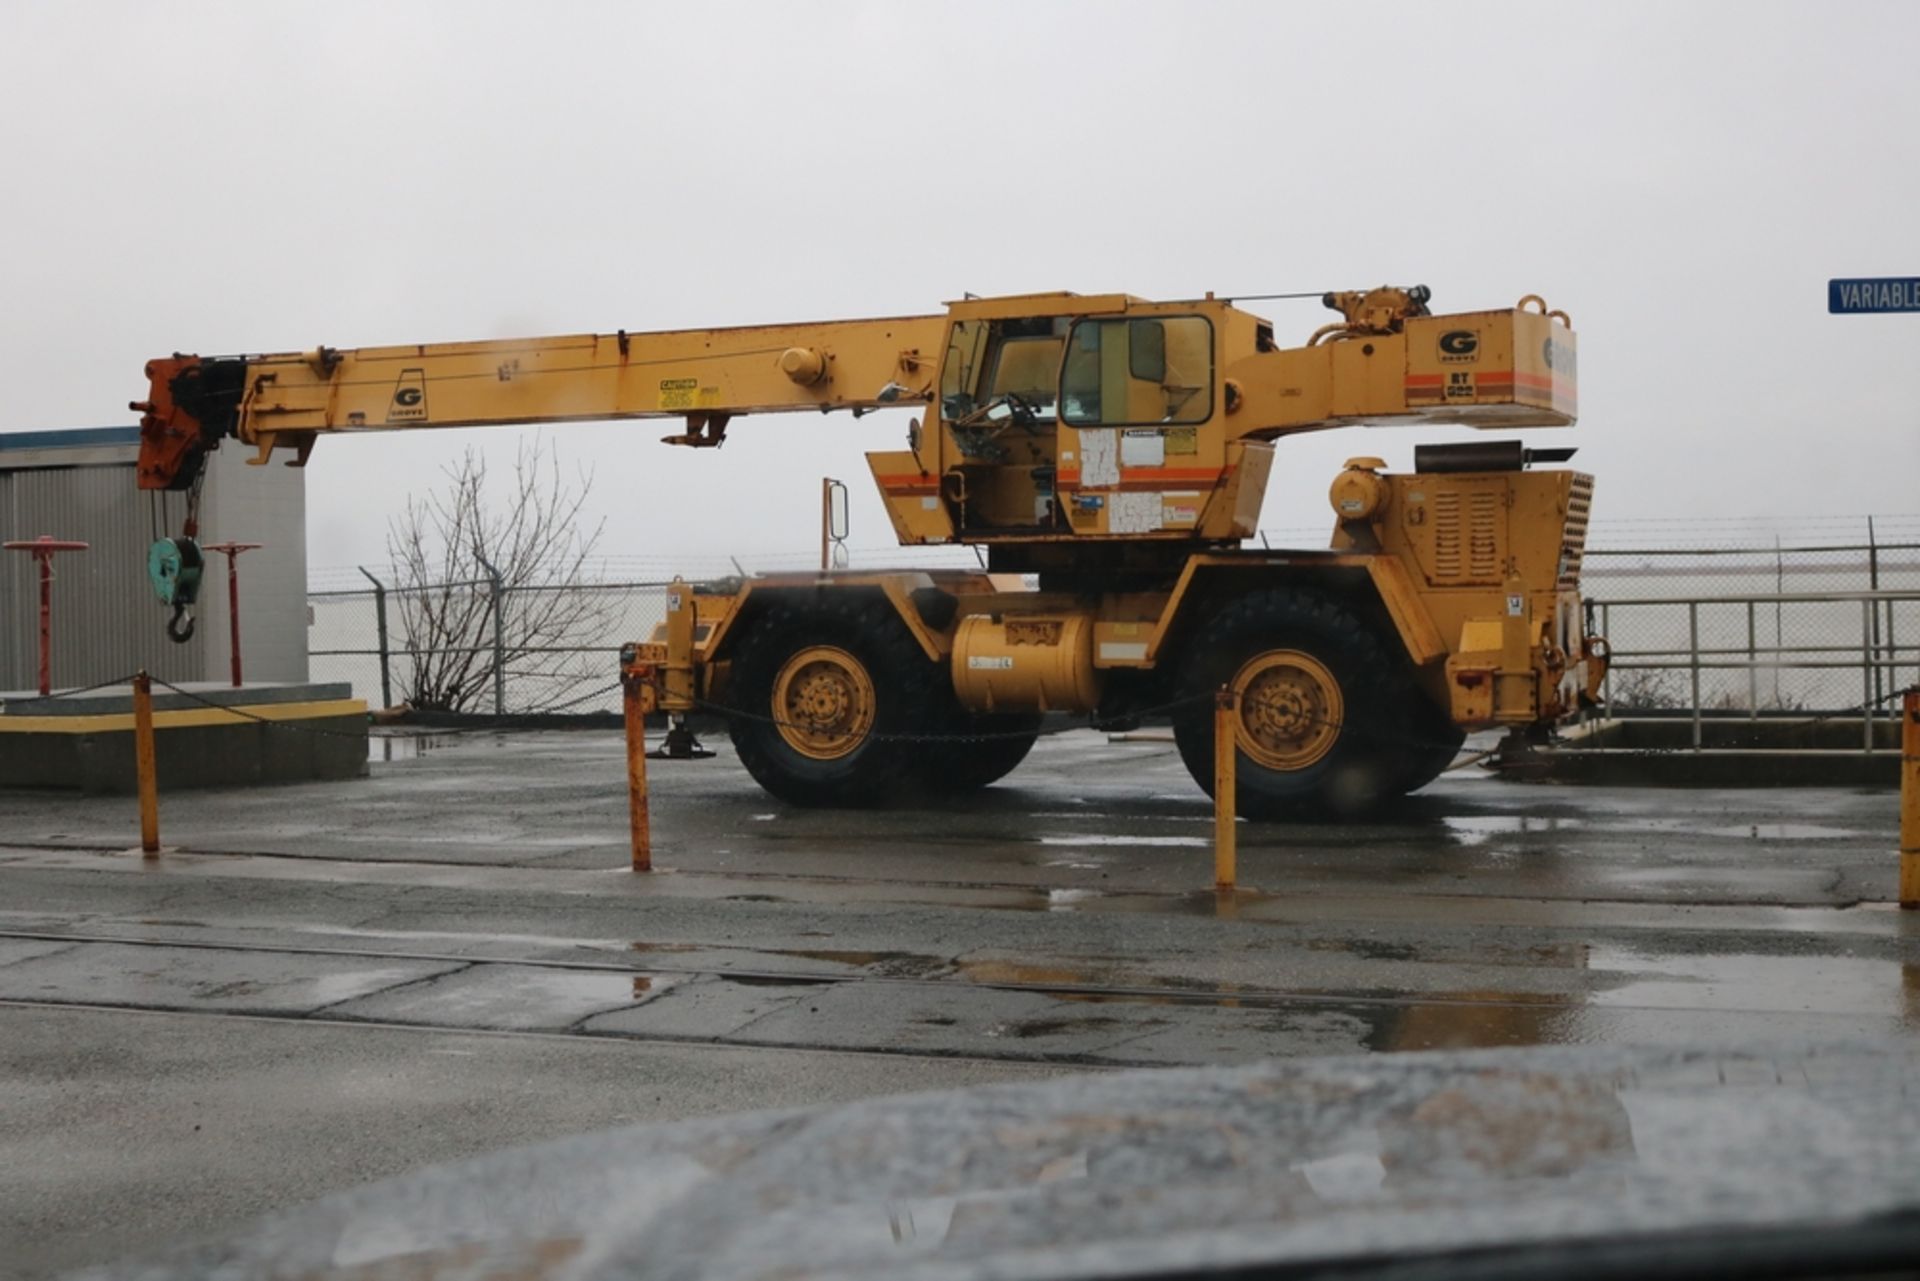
(1290, 709)
(823, 702)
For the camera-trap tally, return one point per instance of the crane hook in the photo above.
(177, 632)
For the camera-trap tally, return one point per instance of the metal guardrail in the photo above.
(1884, 664)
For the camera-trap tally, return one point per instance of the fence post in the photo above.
(1606, 630)
(1693, 655)
(1873, 585)
(1226, 748)
(1910, 799)
(499, 633)
(1867, 675)
(1753, 668)
(380, 624)
(1892, 651)
(1779, 614)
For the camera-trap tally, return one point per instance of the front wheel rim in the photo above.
(823, 702)
(1290, 709)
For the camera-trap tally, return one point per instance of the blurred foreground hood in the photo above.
(1132, 1173)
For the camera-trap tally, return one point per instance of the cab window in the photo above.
(1028, 367)
(1139, 372)
(988, 361)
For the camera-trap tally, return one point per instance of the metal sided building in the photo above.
(79, 484)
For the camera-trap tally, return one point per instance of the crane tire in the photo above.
(969, 766)
(1434, 744)
(1325, 705)
(818, 685)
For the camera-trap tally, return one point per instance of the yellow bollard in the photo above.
(635, 690)
(144, 766)
(1226, 747)
(1910, 800)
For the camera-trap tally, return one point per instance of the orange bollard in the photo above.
(634, 691)
(144, 765)
(1910, 800)
(1226, 748)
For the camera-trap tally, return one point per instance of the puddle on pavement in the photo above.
(1366, 949)
(1478, 829)
(1148, 817)
(1559, 956)
(840, 957)
(1226, 904)
(1630, 995)
(1788, 984)
(1095, 839)
(1782, 831)
(1055, 1027)
(407, 747)
(1665, 1004)
(1473, 1020)
(1021, 973)
(878, 964)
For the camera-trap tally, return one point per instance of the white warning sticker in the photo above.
(1099, 458)
(1143, 448)
(989, 662)
(1134, 513)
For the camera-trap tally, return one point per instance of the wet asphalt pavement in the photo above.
(318, 985)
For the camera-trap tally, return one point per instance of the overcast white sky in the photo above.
(1682, 178)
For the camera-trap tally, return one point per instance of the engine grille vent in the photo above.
(1573, 543)
(1469, 536)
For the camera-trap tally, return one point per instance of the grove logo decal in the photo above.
(409, 403)
(1559, 357)
(1458, 346)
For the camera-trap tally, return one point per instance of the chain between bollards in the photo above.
(1226, 748)
(144, 765)
(1910, 799)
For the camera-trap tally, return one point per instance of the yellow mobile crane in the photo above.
(1110, 451)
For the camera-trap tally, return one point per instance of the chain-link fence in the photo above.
(1757, 629)
(462, 639)
(1727, 625)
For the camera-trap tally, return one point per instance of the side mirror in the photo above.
(837, 512)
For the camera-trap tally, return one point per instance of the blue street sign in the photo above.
(1885, 293)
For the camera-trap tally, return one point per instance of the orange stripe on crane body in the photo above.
(1493, 381)
(911, 483)
(1151, 477)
